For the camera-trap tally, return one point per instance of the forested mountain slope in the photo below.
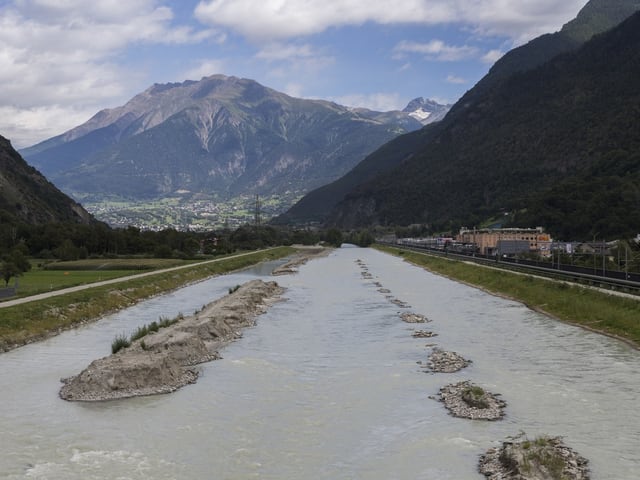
(559, 145)
(595, 17)
(28, 197)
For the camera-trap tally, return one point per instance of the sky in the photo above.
(62, 61)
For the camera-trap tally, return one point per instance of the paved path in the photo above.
(64, 291)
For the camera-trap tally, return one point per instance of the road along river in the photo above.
(327, 386)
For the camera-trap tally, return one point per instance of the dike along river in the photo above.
(327, 386)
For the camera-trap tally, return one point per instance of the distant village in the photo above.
(511, 242)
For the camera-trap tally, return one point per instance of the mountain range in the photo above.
(548, 137)
(221, 137)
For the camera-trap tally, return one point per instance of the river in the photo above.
(328, 386)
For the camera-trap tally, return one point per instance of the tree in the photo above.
(9, 270)
(13, 265)
(334, 237)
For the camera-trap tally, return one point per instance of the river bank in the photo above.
(160, 362)
(593, 310)
(33, 321)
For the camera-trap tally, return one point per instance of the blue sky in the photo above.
(61, 61)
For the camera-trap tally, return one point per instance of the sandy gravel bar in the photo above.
(441, 361)
(160, 362)
(300, 258)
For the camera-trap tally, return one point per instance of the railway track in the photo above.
(612, 280)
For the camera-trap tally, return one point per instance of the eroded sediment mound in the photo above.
(413, 318)
(540, 459)
(159, 362)
(441, 361)
(466, 400)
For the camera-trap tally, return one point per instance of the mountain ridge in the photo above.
(563, 125)
(27, 196)
(383, 164)
(221, 135)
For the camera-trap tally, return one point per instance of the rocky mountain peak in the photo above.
(426, 110)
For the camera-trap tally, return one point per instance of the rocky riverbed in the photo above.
(441, 361)
(539, 459)
(413, 318)
(162, 362)
(303, 256)
(466, 400)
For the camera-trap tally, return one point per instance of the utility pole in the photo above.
(593, 247)
(626, 262)
(257, 212)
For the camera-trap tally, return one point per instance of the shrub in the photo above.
(475, 396)
(121, 341)
(154, 326)
(139, 333)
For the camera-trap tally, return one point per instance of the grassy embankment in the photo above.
(31, 321)
(589, 308)
(55, 276)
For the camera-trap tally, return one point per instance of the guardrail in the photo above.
(612, 280)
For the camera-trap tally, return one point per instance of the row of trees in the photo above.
(65, 241)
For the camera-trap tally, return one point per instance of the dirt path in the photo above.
(64, 291)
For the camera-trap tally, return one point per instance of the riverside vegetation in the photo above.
(122, 341)
(36, 320)
(599, 311)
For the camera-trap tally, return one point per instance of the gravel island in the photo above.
(466, 400)
(539, 459)
(160, 362)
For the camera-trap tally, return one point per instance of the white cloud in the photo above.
(205, 68)
(435, 50)
(294, 90)
(58, 58)
(456, 80)
(519, 20)
(381, 102)
(492, 56)
(292, 59)
(279, 51)
(25, 127)
(285, 61)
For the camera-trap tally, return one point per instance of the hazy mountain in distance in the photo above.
(221, 135)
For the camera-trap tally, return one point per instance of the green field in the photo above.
(40, 281)
(101, 264)
(35, 320)
(593, 309)
(55, 276)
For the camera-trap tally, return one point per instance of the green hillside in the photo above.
(558, 145)
(28, 197)
(595, 17)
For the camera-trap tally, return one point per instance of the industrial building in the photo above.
(507, 241)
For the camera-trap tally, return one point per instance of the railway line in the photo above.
(625, 282)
